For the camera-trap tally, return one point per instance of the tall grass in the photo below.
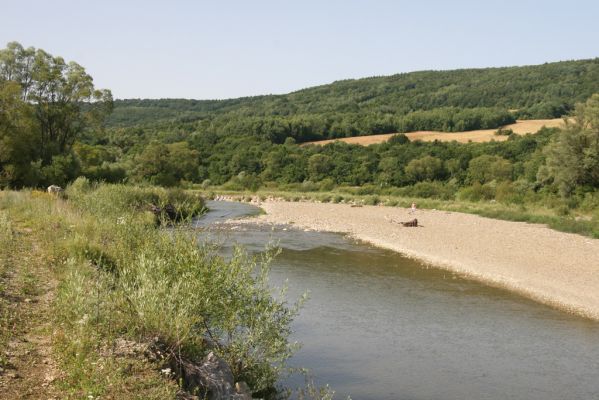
(123, 278)
(104, 200)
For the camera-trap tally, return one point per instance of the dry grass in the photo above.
(521, 127)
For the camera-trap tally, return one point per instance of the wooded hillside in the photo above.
(427, 100)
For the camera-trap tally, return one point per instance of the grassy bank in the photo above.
(122, 287)
(583, 221)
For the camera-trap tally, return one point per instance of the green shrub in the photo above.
(372, 200)
(309, 186)
(326, 185)
(430, 190)
(477, 192)
(127, 278)
(119, 200)
(337, 199)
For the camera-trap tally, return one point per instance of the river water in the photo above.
(378, 325)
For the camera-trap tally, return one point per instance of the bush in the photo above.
(372, 200)
(308, 186)
(80, 186)
(477, 192)
(326, 185)
(366, 189)
(150, 283)
(118, 200)
(430, 190)
(504, 132)
(337, 199)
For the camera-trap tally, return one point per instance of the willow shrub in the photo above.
(149, 283)
(116, 200)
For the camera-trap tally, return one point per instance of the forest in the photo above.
(427, 100)
(56, 126)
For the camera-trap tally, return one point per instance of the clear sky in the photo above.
(225, 48)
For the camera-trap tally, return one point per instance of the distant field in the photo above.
(521, 127)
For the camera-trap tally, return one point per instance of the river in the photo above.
(378, 325)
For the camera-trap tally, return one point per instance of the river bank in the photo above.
(555, 268)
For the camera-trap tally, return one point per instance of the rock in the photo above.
(53, 189)
(213, 378)
(242, 391)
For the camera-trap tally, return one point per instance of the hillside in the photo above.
(457, 100)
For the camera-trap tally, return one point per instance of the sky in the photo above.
(223, 48)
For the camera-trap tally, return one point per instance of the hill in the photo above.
(449, 101)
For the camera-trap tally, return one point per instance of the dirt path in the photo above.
(29, 370)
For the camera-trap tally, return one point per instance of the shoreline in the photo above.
(554, 268)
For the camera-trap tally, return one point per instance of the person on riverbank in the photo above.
(413, 208)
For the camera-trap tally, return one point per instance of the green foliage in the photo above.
(504, 132)
(125, 279)
(427, 168)
(17, 141)
(372, 105)
(430, 190)
(166, 164)
(477, 192)
(573, 155)
(46, 104)
(487, 168)
(319, 165)
(117, 201)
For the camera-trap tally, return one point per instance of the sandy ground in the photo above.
(555, 268)
(521, 127)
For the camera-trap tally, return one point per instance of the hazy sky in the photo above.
(220, 49)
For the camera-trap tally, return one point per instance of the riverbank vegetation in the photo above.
(252, 143)
(126, 289)
(118, 288)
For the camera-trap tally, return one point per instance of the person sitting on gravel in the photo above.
(413, 209)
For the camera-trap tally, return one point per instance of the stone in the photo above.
(242, 391)
(54, 189)
(213, 378)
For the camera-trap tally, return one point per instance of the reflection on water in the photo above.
(381, 326)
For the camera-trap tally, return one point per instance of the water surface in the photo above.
(381, 326)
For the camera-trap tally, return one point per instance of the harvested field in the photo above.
(521, 127)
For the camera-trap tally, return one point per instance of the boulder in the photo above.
(53, 189)
(212, 379)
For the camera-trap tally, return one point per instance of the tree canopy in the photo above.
(46, 104)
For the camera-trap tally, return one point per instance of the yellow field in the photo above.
(521, 127)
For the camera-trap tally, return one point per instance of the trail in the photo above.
(29, 368)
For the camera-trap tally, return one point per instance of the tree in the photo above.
(319, 166)
(61, 95)
(427, 168)
(486, 168)
(572, 157)
(17, 144)
(166, 164)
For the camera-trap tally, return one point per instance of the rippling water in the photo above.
(381, 326)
